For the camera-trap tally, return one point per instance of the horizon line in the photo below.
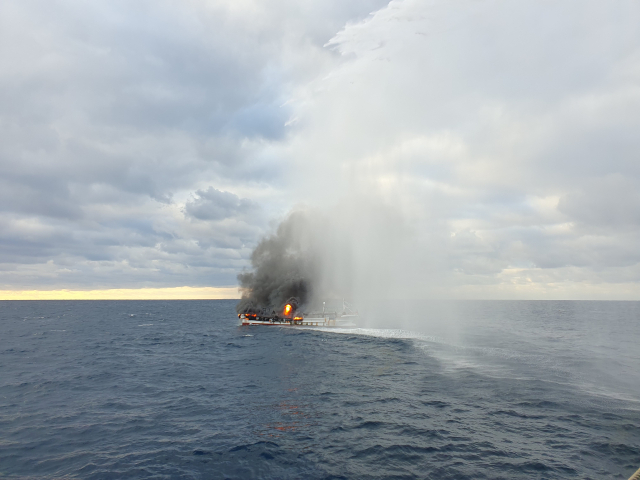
(145, 293)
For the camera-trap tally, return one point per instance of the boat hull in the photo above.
(307, 322)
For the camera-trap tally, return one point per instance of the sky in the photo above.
(148, 146)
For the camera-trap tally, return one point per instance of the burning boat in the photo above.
(291, 315)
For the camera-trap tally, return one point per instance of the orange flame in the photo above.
(287, 309)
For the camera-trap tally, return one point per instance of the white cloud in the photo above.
(151, 143)
(504, 131)
(117, 118)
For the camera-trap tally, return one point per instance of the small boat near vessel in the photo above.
(290, 316)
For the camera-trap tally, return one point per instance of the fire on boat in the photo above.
(291, 315)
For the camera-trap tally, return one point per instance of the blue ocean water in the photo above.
(175, 389)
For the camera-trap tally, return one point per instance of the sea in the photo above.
(440, 390)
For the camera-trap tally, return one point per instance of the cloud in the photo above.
(503, 132)
(212, 204)
(610, 202)
(151, 143)
(118, 119)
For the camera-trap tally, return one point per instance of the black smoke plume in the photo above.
(284, 265)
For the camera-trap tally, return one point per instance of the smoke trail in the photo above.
(286, 264)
